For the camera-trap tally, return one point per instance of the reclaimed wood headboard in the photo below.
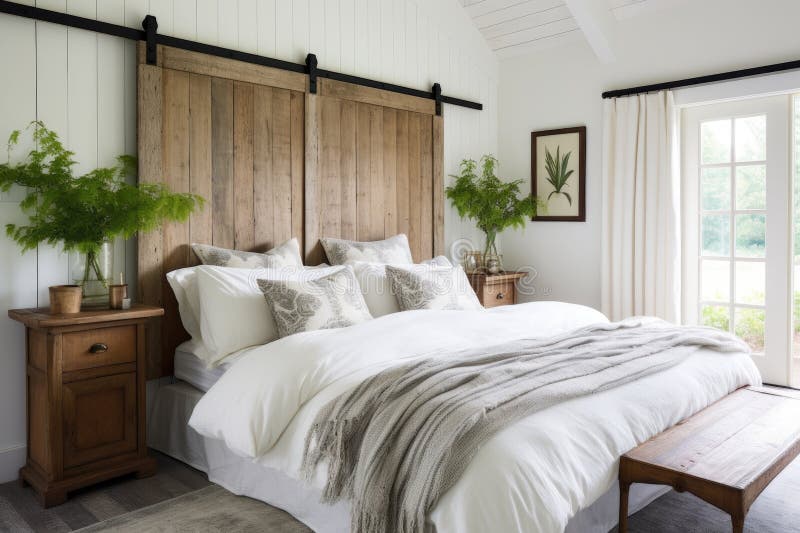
(274, 161)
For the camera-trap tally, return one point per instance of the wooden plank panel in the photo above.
(402, 172)
(149, 104)
(414, 211)
(389, 151)
(262, 167)
(378, 97)
(363, 181)
(347, 129)
(243, 220)
(222, 162)
(220, 67)
(282, 165)
(438, 186)
(200, 158)
(314, 254)
(298, 157)
(330, 161)
(176, 139)
(426, 185)
(376, 173)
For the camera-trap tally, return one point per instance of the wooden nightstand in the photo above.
(86, 398)
(494, 290)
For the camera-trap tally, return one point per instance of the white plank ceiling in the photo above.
(514, 26)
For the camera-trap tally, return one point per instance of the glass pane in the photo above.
(716, 280)
(751, 187)
(750, 235)
(715, 142)
(715, 188)
(749, 325)
(796, 310)
(716, 235)
(716, 316)
(751, 282)
(751, 138)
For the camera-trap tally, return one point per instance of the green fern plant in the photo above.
(492, 203)
(82, 212)
(557, 173)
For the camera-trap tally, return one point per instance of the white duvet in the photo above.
(532, 476)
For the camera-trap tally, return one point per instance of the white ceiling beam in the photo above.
(596, 21)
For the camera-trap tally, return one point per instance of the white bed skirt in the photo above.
(169, 433)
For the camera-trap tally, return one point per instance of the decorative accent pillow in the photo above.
(435, 288)
(333, 301)
(233, 312)
(393, 250)
(286, 254)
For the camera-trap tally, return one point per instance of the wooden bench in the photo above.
(725, 454)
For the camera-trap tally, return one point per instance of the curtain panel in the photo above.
(641, 262)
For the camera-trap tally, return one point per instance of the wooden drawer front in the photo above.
(498, 294)
(99, 418)
(120, 340)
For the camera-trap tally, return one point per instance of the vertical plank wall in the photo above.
(83, 85)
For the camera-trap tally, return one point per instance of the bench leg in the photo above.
(624, 487)
(738, 523)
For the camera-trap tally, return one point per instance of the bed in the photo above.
(276, 160)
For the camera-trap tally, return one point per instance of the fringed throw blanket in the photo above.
(398, 441)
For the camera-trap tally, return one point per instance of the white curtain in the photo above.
(641, 211)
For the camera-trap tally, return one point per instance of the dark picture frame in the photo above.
(542, 192)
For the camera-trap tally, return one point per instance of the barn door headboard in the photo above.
(274, 161)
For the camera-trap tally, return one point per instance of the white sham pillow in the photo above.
(381, 300)
(394, 250)
(283, 255)
(332, 301)
(433, 288)
(234, 314)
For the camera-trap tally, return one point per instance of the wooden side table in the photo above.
(85, 398)
(494, 290)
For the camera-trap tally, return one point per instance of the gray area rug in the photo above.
(207, 510)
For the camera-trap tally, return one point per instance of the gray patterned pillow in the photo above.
(432, 288)
(334, 301)
(392, 250)
(286, 254)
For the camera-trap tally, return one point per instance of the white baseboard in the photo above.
(11, 460)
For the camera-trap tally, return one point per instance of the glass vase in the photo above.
(92, 271)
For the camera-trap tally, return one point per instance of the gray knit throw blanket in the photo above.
(397, 442)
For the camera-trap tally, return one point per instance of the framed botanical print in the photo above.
(558, 173)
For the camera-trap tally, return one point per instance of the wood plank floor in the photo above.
(776, 511)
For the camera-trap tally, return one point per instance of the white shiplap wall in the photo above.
(83, 85)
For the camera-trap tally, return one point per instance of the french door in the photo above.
(738, 225)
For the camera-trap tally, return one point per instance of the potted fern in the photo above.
(84, 213)
(492, 203)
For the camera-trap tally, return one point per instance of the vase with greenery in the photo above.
(493, 204)
(84, 213)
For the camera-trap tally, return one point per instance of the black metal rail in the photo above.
(700, 80)
(150, 35)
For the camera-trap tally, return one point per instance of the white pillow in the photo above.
(283, 255)
(234, 314)
(332, 301)
(432, 288)
(381, 300)
(394, 250)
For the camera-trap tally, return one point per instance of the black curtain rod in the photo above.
(700, 80)
(152, 38)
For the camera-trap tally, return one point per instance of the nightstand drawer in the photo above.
(498, 294)
(98, 347)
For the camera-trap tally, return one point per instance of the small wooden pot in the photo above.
(65, 299)
(116, 295)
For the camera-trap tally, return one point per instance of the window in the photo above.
(737, 226)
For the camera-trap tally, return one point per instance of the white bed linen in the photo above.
(191, 368)
(533, 476)
(169, 432)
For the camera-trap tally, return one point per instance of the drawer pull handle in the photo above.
(98, 348)
(500, 296)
